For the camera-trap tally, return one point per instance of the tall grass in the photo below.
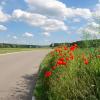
(78, 78)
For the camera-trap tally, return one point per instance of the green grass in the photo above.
(10, 50)
(73, 81)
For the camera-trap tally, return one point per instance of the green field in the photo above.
(10, 50)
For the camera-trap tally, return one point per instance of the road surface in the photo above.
(18, 73)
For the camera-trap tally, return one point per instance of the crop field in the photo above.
(69, 73)
(10, 50)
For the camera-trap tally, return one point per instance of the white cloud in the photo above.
(97, 11)
(3, 16)
(57, 9)
(76, 20)
(3, 28)
(84, 13)
(27, 34)
(52, 8)
(49, 15)
(46, 34)
(52, 25)
(91, 28)
(14, 37)
(39, 20)
(94, 25)
(91, 31)
(3, 3)
(30, 18)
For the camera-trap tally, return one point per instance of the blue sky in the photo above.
(45, 21)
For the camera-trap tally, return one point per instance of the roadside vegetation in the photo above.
(69, 73)
(82, 44)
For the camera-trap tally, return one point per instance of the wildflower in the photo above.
(63, 63)
(48, 73)
(53, 68)
(59, 62)
(71, 57)
(58, 50)
(73, 47)
(86, 61)
(62, 59)
(67, 58)
(60, 54)
(65, 48)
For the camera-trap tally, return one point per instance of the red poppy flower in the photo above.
(65, 48)
(48, 73)
(67, 58)
(63, 63)
(59, 62)
(58, 50)
(60, 54)
(71, 57)
(86, 61)
(54, 67)
(62, 59)
(73, 47)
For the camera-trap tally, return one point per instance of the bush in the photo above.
(69, 74)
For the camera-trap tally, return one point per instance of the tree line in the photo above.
(81, 44)
(4, 45)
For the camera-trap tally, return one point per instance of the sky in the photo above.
(44, 22)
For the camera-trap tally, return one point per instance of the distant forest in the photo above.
(81, 44)
(4, 45)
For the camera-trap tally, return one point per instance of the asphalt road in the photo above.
(18, 72)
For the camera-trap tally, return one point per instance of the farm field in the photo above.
(10, 50)
(69, 73)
